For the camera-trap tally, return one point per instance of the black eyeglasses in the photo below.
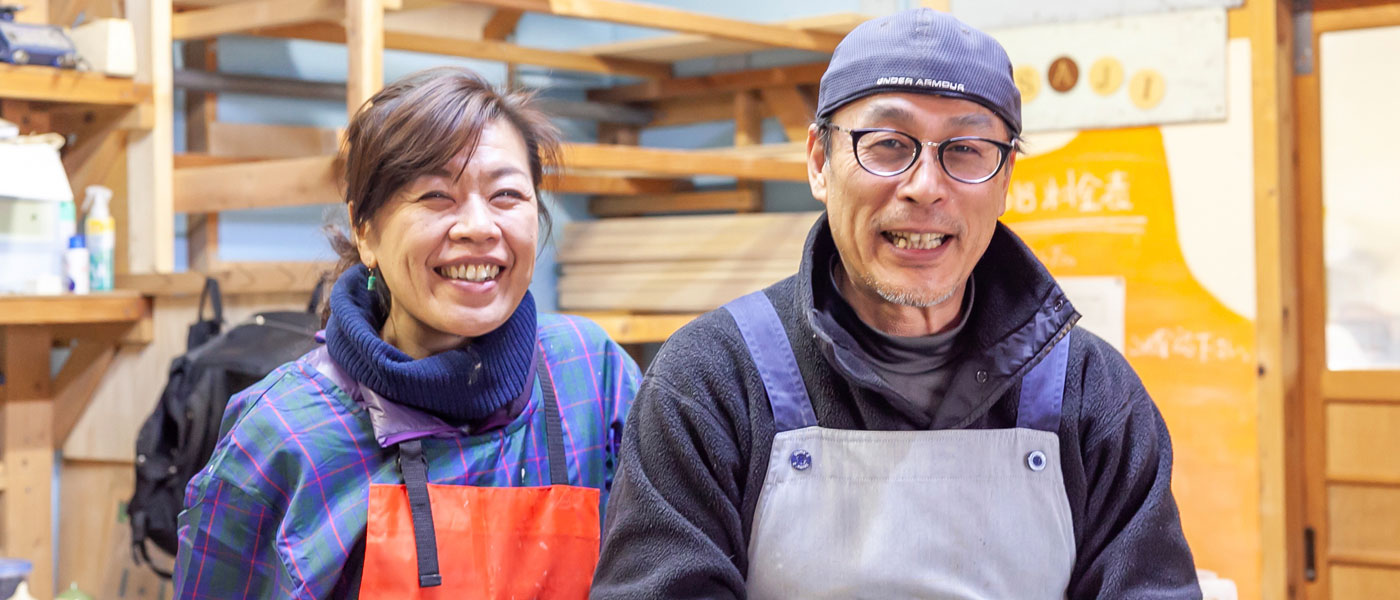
(889, 152)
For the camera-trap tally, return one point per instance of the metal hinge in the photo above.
(1309, 554)
(1303, 56)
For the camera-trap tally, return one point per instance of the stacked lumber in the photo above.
(677, 264)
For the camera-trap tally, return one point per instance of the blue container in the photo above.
(12, 572)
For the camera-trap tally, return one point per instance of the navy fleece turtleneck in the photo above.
(458, 385)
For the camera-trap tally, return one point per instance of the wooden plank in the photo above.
(502, 24)
(792, 108)
(1373, 386)
(629, 328)
(657, 294)
(35, 11)
(1366, 559)
(1363, 441)
(235, 278)
(27, 447)
(209, 81)
(659, 17)
(202, 240)
(1361, 16)
(461, 21)
(684, 163)
(194, 161)
(105, 307)
(712, 84)
(201, 115)
(1281, 519)
(149, 220)
(673, 48)
(1364, 582)
(748, 119)
(262, 184)
(364, 41)
(272, 141)
(712, 200)
(566, 183)
(512, 53)
(709, 237)
(46, 84)
(1364, 519)
(252, 14)
(75, 384)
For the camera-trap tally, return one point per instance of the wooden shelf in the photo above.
(638, 328)
(105, 307)
(47, 84)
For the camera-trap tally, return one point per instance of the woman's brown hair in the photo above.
(416, 125)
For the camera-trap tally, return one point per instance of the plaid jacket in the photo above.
(284, 497)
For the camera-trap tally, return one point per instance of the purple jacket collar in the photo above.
(394, 423)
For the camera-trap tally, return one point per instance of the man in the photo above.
(912, 415)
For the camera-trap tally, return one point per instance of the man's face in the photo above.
(912, 238)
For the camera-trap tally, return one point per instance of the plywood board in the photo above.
(1364, 520)
(1364, 582)
(1363, 441)
(90, 493)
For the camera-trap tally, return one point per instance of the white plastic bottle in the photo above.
(77, 266)
(101, 232)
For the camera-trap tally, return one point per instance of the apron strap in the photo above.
(1043, 390)
(768, 345)
(553, 425)
(415, 476)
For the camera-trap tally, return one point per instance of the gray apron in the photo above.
(906, 514)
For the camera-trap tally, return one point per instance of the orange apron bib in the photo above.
(490, 542)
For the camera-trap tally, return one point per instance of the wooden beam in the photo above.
(105, 307)
(201, 113)
(688, 111)
(570, 183)
(27, 453)
(619, 114)
(680, 163)
(364, 41)
(46, 84)
(1361, 386)
(792, 108)
(505, 52)
(194, 161)
(659, 17)
(272, 141)
(760, 236)
(234, 278)
(261, 184)
(462, 21)
(252, 14)
(502, 24)
(685, 46)
(1356, 17)
(713, 200)
(75, 384)
(712, 84)
(149, 221)
(209, 81)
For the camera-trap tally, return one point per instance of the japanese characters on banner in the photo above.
(1136, 70)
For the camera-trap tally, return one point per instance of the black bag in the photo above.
(177, 439)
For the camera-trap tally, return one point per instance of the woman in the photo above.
(446, 441)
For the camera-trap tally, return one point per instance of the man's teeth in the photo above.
(476, 273)
(916, 241)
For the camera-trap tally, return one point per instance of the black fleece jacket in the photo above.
(696, 445)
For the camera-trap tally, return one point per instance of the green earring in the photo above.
(369, 285)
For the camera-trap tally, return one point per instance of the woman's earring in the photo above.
(369, 285)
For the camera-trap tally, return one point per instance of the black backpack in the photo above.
(177, 439)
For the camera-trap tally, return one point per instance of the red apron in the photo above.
(494, 542)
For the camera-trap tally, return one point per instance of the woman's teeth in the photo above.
(476, 273)
(915, 241)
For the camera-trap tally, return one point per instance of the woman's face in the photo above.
(457, 251)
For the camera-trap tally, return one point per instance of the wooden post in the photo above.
(364, 40)
(150, 217)
(748, 131)
(26, 412)
(201, 110)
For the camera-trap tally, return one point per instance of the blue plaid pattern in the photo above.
(284, 497)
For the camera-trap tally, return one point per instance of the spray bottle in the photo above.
(101, 236)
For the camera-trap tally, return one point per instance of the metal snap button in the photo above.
(1036, 461)
(981, 377)
(800, 460)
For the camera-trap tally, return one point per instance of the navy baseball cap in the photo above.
(921, 51)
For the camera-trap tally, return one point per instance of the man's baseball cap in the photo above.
(922, 51)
